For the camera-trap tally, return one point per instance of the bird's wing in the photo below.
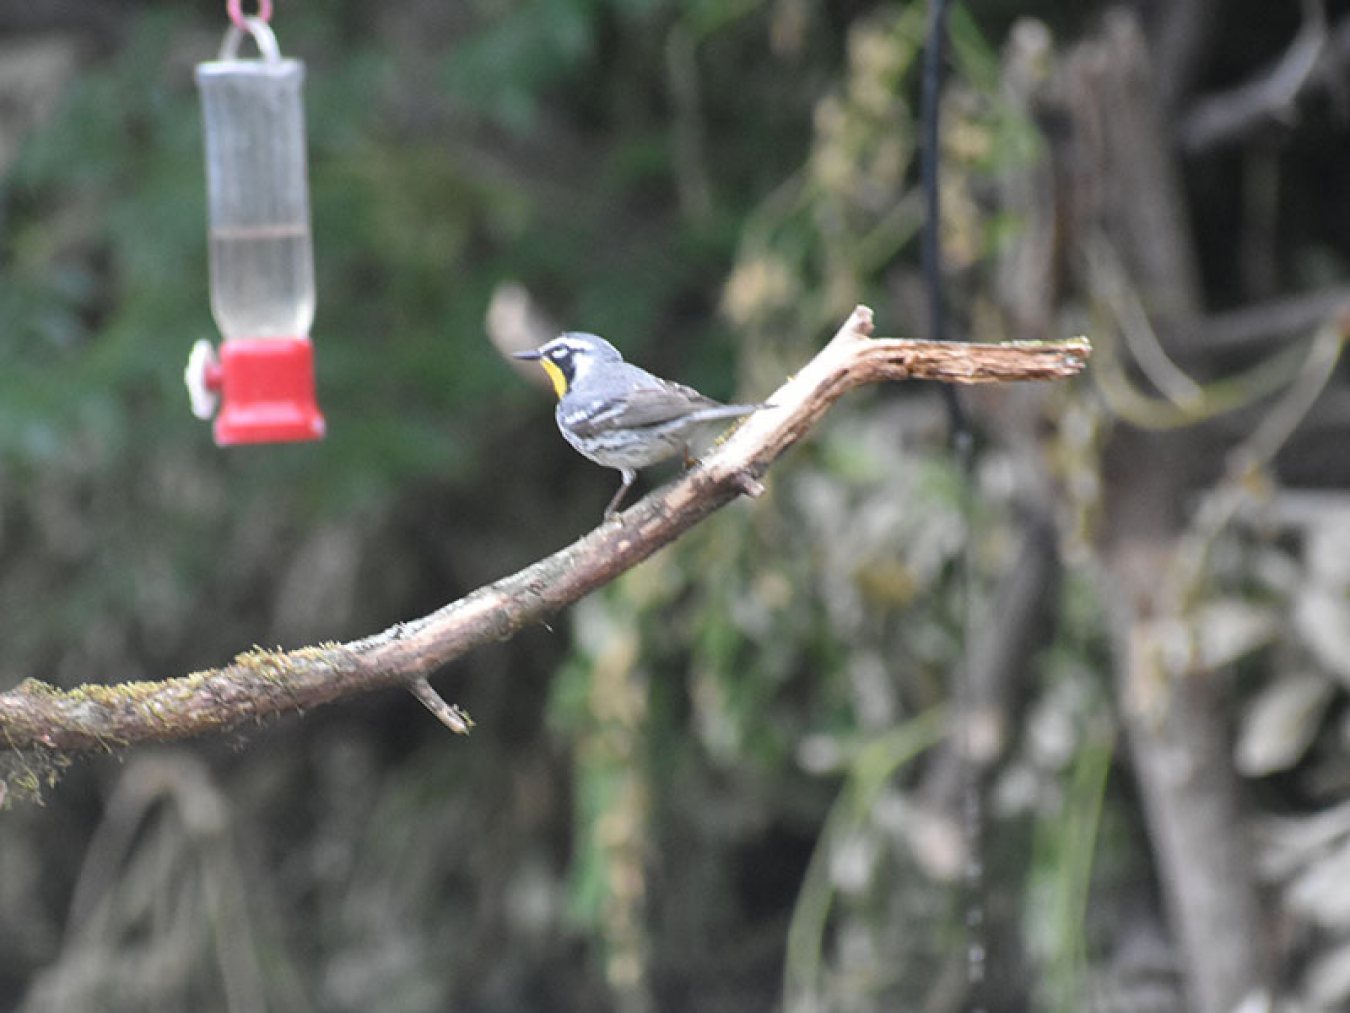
(645, 404)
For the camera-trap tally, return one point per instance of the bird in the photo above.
(619, 415)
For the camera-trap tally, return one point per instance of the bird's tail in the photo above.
(729, 411)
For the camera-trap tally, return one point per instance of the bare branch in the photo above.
(264, 683)
(446, 713)
(1253, 328)
(1271, 97)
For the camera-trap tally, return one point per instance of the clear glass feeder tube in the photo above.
(262, 258)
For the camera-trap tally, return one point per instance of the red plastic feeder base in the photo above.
(267, 392)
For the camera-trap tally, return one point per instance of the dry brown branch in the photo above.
(264, 683)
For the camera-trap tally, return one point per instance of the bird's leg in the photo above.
(689, 459)
(628, 475)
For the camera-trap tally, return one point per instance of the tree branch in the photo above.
(260, 684)
(1255, 327)
(1314, 58)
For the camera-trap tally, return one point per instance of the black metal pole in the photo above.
(962, 442)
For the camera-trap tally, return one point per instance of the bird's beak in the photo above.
(529, 356)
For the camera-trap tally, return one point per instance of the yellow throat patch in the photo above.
(556, 375)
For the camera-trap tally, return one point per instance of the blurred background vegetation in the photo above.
(724, 782)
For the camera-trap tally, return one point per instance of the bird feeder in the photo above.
(261, 252)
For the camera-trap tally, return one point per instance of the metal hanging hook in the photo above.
(235, 9)
(263, 37)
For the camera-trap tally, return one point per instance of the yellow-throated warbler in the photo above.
(618, 415)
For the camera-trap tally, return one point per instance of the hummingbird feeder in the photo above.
(261, 252)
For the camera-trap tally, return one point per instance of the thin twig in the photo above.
(1252, 328)
(1271, 97)
(1110, 279)
(447, 714)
